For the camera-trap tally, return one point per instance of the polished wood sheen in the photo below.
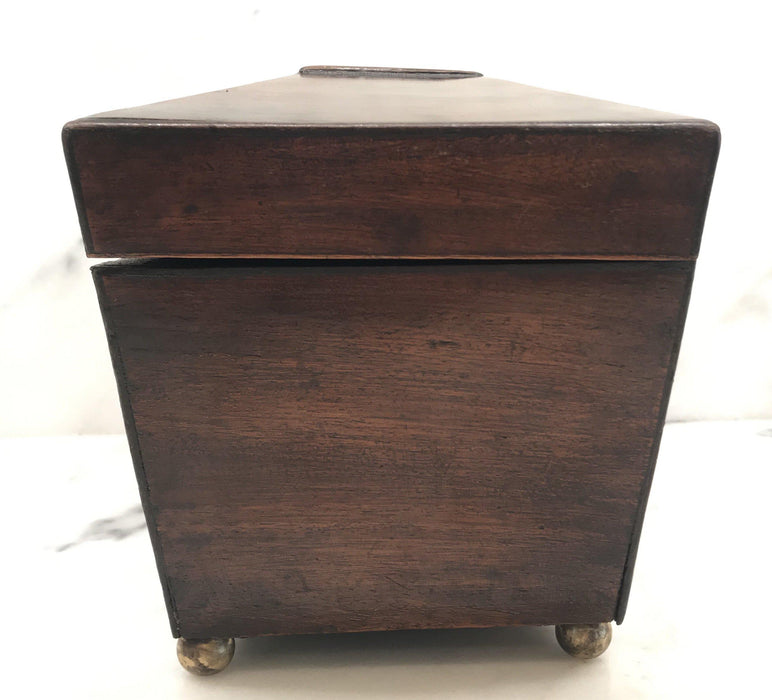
(340, 447)
(391, 164)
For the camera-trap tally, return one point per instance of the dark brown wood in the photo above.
(352, 446)
(391, 167)
(540, 192)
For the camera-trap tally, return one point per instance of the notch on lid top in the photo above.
(388, 73)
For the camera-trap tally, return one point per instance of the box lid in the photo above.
(349, 162)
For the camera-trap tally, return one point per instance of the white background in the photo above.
(66, 60)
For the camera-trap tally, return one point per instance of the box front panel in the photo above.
(356, 447)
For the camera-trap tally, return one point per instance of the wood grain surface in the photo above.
(576, 191)
(367, 97)
(344, 447)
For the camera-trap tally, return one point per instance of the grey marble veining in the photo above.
(117, 527)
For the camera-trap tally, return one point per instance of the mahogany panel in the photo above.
(353, 446)
(527, 192)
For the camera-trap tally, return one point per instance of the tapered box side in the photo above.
(362, 446)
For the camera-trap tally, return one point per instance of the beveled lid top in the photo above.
(365, 96)
(344, 162)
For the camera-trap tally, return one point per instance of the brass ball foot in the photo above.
(204, 657)
(584, 641)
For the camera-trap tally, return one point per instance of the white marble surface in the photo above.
(84, 616)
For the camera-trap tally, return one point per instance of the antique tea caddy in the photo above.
(393, 347)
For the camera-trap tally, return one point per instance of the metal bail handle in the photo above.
(393, 73)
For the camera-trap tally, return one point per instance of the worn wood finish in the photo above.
(343, 447)
(540, 191)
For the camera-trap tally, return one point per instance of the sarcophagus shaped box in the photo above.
(398, 349)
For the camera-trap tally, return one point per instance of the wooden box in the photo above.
(398, 350)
